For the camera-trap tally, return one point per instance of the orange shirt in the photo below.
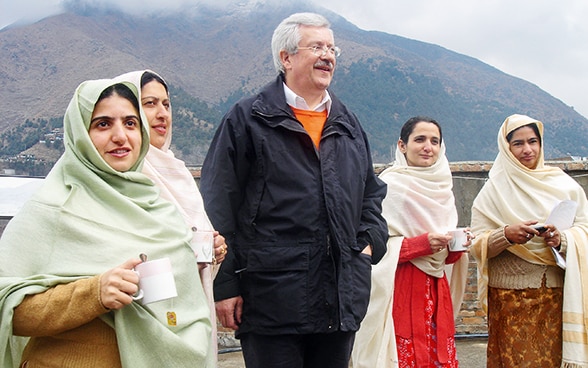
(313, 122)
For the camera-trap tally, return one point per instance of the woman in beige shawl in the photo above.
(519, 284)
(173, 178)
(410, 318)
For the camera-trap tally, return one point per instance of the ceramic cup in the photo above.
(459, 237)
(156, 281)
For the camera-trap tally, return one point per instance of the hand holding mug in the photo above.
(117, 285)
(220, 248)
(461, 239)
(438, 242)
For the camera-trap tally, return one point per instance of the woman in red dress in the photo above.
(410, 321)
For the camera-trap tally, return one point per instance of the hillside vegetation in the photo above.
(211, 57)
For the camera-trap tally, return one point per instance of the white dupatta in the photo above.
(514, 193)
(418, 200)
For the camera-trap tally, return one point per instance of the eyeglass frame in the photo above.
(334, 50)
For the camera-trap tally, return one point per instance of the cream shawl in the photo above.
(418, 200)
(177, 185)
(88, 218)
(514, 193)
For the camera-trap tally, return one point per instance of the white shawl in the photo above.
(418, 200)
(177, 185)
(514, 193)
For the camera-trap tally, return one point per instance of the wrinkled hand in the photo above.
(228, 312)
(220, 248)
(438, 242)
(119, 284)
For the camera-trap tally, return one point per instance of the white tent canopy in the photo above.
(15, 191)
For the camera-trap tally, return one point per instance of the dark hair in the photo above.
(408, 127)
(530, 125)
(149, 77)
(121, 90)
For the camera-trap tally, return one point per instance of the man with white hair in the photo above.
(289, 182)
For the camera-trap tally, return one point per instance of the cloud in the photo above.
(542, 42)
(143, 7)
(27, 11)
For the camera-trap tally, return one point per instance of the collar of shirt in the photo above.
(298, 102)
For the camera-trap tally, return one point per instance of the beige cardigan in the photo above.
(508, 271)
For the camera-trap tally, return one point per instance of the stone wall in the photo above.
(468, 179)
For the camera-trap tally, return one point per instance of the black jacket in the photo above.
(295, 219)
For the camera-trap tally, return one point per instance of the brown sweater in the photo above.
(65, 329)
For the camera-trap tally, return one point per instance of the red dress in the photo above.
(422, 311)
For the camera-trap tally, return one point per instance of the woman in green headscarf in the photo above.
(66, 271)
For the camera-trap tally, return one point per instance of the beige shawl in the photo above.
(514, 193)
(177, 185)
(419, 200)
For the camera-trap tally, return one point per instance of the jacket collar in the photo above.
(271, 105)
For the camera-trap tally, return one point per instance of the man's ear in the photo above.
(285, 58)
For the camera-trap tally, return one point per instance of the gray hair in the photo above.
(287, 36)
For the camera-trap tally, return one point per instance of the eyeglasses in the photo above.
(322, 50)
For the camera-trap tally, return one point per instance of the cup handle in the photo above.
(139, 294)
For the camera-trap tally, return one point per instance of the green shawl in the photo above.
(88, 218)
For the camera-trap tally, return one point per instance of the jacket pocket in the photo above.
(275, 286)
(361, 285)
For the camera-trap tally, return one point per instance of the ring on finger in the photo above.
(552, 234)
(528, 236)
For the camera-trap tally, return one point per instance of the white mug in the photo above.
(156, 281)
(459, 237)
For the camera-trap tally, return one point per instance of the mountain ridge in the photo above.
(212, 57)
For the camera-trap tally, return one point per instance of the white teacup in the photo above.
(459, 237)
(156, 281)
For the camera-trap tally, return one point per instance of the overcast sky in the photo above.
(543, 42)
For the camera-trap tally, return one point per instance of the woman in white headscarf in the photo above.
(410, 318)
(175, 181)
(65, 287)
(519, 283)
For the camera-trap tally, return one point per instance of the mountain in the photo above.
(213, 56)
